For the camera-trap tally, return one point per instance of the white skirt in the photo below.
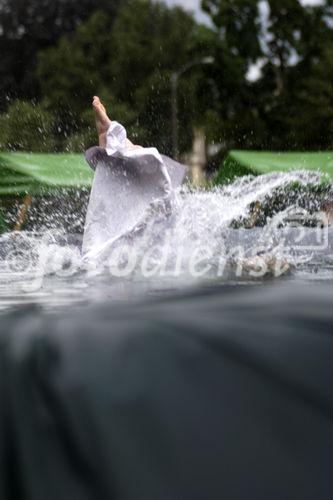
(130, 185)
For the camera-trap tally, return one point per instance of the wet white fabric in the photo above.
(128, 183)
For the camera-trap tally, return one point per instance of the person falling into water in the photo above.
(131, 183)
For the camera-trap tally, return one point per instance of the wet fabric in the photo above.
(129, 182)
(213, 394)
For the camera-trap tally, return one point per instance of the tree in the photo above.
(27, 26)
(237, 46)
(303, 115)
(238, 22)
(151, 41)
(299, 108)
(130, 66)
(26, 127)
(292, 42)
(72, 71)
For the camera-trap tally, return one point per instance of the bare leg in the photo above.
(103, 123)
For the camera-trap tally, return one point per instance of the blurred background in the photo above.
(250, 74)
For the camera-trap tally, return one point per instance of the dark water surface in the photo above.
(30, 285)
(212, 392)
(168, 389)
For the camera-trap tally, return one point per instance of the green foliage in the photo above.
(3, 225)
(26, 127)
(291, 106)
(125, 51)
(148, 38)
(81, 141)
(70, 72)
(239, 25)
(230, 171)
(30, 25)
(151, 41)
(130, 67)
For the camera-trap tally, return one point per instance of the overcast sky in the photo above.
(194, 6)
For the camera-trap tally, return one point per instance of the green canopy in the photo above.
(22, 173)
(240, 163)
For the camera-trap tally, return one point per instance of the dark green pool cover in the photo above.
(223, 394)
(35, 174)
(240, 163)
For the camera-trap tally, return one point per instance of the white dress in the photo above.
(130, 185)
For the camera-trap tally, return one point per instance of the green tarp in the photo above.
(240, 163)
(36, 173)
(22, 173)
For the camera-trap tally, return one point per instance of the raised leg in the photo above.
(102, 121)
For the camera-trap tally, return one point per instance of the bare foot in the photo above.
(102, 121)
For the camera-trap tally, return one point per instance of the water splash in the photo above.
(196, 236)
